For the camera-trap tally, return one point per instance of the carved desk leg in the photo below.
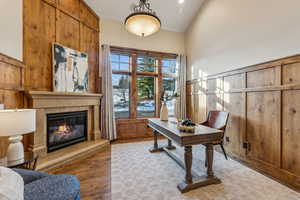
(170, 145)
(210, 159)
(188, 159)
(191, 183)
(155, 148)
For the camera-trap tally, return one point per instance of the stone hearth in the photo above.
(58, 102)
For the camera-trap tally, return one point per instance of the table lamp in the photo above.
(15, 123)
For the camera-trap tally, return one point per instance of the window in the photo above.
(120, 62)
(146, 96)
(169, 72)
(121, 76)
(146, 86)
(169, 66)
(146, 64)
(138, 77)
(121, 93)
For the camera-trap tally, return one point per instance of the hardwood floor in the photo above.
(94, 172)
(94, 175)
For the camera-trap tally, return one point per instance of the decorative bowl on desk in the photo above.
(187, 126)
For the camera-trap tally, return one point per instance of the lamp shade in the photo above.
(143, 21)
(142, 24)
(17, 122)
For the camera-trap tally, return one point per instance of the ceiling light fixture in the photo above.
(180, 1)
(143, 21)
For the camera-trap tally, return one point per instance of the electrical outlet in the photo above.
(227, 139)
(1, 106)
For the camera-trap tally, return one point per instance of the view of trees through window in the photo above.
(169, 85)
(121, 95)
(146, 96)
(169, 71)
(134, 80)
(121, 64)
(146, 86)
(146, 64)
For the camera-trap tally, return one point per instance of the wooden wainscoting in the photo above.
(133, 128)
(11, 82)
(264, 105)
(11, 89)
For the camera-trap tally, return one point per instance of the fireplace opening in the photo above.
(65, 129)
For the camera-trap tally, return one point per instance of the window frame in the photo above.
(170, 75)
(134, 73)
(128, 73)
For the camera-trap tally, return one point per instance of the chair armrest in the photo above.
(53, 187)
(222, 128)
(205, 123)
(30, 176)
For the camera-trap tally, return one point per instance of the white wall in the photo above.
(114, 33)
(11, 25)
(229, 34)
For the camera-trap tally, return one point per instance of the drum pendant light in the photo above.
(143, 21)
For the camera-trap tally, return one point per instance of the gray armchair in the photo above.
(39, 185)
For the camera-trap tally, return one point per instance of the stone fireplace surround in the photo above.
(60, 102)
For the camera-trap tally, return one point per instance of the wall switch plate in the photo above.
(1, 106)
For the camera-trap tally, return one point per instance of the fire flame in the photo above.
(64, 129)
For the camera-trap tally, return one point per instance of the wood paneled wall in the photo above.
(133, 128)
(11, 89)
(264, 106)
(68, 22)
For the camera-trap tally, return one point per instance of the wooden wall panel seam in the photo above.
(68, 14)
(295, 86)
(87, 25)
(61, 9)
(50, 3)
(90, 9)
(11, 61)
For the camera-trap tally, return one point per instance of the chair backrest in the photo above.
(217, 119)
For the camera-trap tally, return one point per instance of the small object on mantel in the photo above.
(187, 126)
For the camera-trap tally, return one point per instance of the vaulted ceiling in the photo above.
(176, 15)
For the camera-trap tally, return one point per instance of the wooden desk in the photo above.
(203, 135)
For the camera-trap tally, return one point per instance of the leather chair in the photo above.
(217, 120)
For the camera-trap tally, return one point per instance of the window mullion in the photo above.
(133, 92)
(159, 86)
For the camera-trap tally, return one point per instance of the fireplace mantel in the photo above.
(77, 94)
(59, 102)
(44, 99)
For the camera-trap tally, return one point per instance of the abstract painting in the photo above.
(70, 70)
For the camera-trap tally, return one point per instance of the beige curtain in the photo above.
(108, 122)
(181, 88)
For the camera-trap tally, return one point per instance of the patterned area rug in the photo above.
(140, 175)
